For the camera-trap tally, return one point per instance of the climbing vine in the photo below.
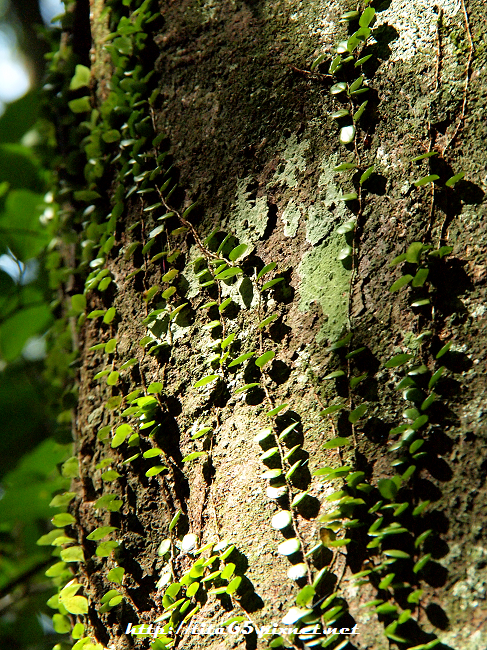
(113, 137)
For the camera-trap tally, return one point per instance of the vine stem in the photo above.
(467, 78)
(290, 495)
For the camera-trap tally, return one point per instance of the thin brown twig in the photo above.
(467, 79)
(438, 47)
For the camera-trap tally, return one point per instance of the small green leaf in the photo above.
(359, 112)
(77, 605)
(100, 533)
(414, 598)
(70, 468)
(78, 303)
(398, 360)
(338, 88)
(420, 277)
(275, 410)
(426, 179)
(345, 252)
(62, 500)
(174, 520)
(268, 267)
(367, 173)
(414, 251)
(398, 259)
(335, 374)
(348, 226)
(96, 313)
(112, 135)
(421, 563)
(155, 387)
(444, 350)
(454, 179)
(305, 596)
(349, 15)
(351, 196)
(234, 585)
(271, 283)
(109, 316)
(292, 470)
(105, 548)
(336, 442)
(110, 346)
(170, 275)
(362, 60)
(241, 359)
(289, 547)
(112, 378)
(156, 469)
(435, 377)
(152, 453)
(298, 498)
(128, 364)
(284, 434)
(108, 502)
(424, 155)
(245, 388)
(402, 282)
(110, 476)
(281, 520)
(80, 105)
(339, 114)
(357, 413)
(367, 17)
(344, 166)
(156, 231)
(319, 59)
(402, 555)
(193, 456)
(205, 380)
(116, 574)
(387, 488)
(201, 432)
(270, 453)
(72, 554)
(268, 320)
(264, 358)
(356, 84)
(237, 252)
(81, 77)
(441, 252)
(332, 409)
(347, 134)
(226, 274)
(354, 381)
(121, 434)
(420, 508)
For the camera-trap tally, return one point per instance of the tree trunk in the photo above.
(247, 121)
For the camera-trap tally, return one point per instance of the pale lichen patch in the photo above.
(295, 162)
(249, 218)
(326, 281)
(290, 218)
(415, 23)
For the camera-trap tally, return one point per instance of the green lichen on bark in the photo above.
(325, 280)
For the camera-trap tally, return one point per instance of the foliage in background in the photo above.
(32, 441)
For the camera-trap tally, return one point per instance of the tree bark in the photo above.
(247, 125)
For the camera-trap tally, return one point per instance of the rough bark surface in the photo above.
(250, 134)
